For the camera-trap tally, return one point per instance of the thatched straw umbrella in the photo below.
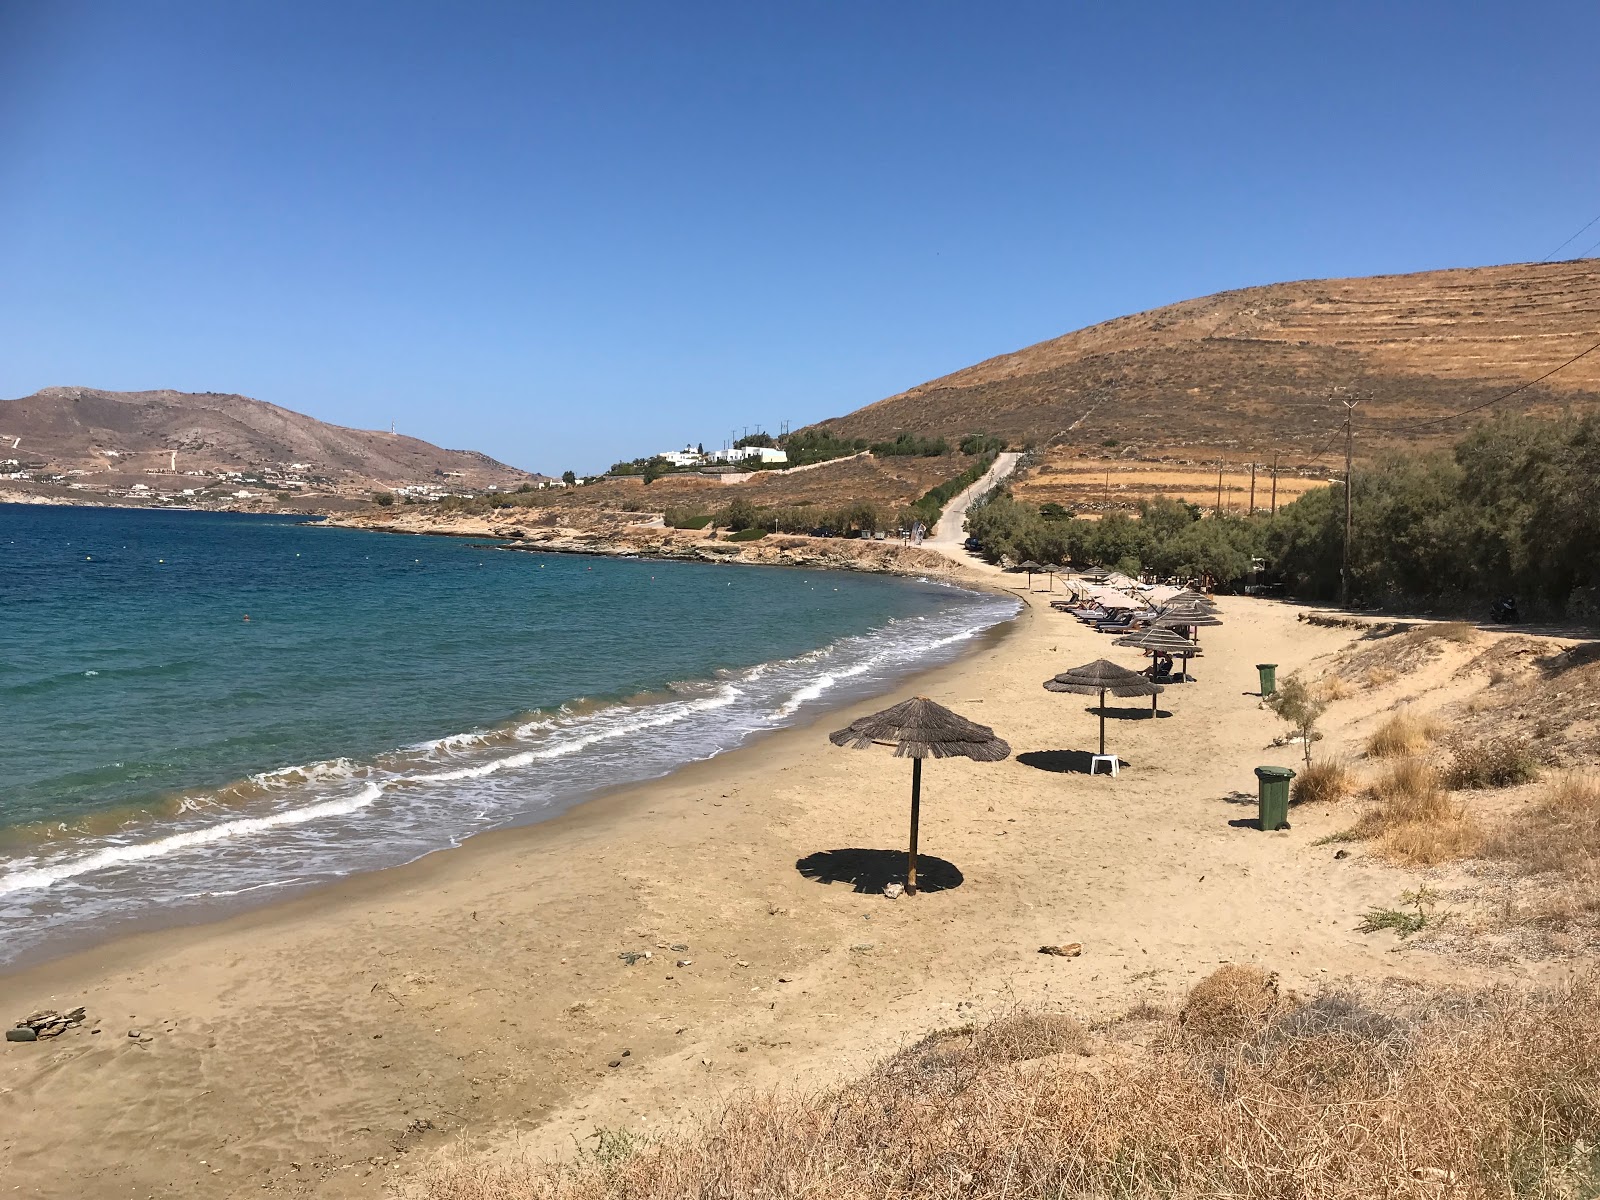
(1186, 615)
(1032, 568)
(1102, 676)
(1162, 640)
(919, 729)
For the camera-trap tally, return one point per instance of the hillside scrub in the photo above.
(909, 445)
(1168, 537)
(1252, 1094)
(1514, 509)
(1491, 762)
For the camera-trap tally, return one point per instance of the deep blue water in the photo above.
(388, 695)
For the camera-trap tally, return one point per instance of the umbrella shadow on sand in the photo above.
(870, 870)
(1124, 713)
(1061, 762)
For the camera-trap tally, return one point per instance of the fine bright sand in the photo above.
(476, 1000)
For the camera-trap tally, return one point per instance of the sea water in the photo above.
(196, 707)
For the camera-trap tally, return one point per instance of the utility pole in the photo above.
(1349, 507)
(1252, 489)
(1275, 483)
(1219, 487)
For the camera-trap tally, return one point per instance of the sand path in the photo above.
(951, 530)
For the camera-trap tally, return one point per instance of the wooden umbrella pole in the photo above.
(916, 806)
(1102, 721)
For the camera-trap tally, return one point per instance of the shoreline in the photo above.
(630, 539)
(222, 909)
(361, 1030)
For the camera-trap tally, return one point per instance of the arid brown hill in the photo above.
(1245, 374)
(125, 433)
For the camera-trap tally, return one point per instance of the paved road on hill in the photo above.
(952, 528)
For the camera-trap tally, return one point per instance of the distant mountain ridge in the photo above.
(1249, 370)
(111, 434)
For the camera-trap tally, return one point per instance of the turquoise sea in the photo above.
(387, 697)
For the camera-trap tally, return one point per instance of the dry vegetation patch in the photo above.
(1231, 1005)
(1556, 841)
(1492, 762)
(1324, 781)
(1477, 1096)
(1414, 820)
(1402, 734)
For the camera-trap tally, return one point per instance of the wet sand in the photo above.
(334, 1044)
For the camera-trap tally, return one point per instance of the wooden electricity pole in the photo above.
(1274, 484)
(1349, 507)
(1219, 487)
(1252, 488)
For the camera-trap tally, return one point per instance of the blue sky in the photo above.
(570, 233)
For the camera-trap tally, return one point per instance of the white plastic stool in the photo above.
(1110, 761)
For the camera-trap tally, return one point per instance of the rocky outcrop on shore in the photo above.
(626, 535)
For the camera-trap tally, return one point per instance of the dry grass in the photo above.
(1492, 762)
(1322, 782)
(1379, 677)
(1332, 688)
(1402, 734)
(1231, 1004)
(951, 1054)
(1557, 840)
(1480, 1096)
(1414, 820)
(1461, 632)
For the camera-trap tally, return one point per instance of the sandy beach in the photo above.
(477, 1001)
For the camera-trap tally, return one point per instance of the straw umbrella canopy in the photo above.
(1181, 616)
(1032, 568)
(918, 729)
(1098, 575)
(1164, 641)
(1103, 676)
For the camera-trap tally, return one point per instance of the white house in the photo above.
(766, 454)
(687, 457)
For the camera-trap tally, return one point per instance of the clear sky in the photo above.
(566, 233)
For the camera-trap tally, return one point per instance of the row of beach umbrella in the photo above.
(921, 728)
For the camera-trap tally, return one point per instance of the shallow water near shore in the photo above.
(388, 696)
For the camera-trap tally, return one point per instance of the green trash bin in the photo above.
(1272, 794)
(1269, 677)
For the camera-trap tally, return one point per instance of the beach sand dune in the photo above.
(483, 997)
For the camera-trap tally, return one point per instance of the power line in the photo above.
(1521, 387)
(1590, 250)
(1573, 238)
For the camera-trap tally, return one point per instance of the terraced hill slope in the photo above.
(1250, 370)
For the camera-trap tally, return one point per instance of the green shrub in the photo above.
(908, 445)
(747, 535)
(982, 443)
(1490, 763)
(383, 499)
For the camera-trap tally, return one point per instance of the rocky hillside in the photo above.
(1247, 373)
(108, 439)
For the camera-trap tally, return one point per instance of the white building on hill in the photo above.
(687, 457)
(766, 454)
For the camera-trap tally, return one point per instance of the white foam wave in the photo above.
(114, 856)
(317, 772)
